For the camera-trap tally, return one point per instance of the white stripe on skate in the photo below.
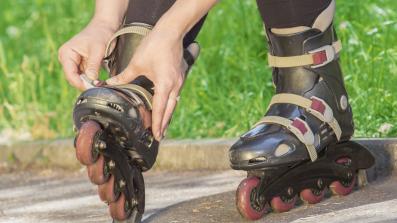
(370, 213)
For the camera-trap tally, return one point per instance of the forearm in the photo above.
(110, 13)
(183, 15)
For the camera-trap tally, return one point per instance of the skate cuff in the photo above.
(316, 58)
(135, 28)
(315, 106)
(299, 128)
(140, 29)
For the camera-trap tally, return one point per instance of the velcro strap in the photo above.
(317, 58)
(315, 106)
(145, 95)
(140, 29)
(299, 128)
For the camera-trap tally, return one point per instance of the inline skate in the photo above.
(114, 138)
(302, 145)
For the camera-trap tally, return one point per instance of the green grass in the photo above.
(227, 91)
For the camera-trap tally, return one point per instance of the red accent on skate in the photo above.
(280, 206)
(117, 209)
(96, 171)
(243, 199)
(309, 197)
(319, 57)
(318, 105)
(300, 125)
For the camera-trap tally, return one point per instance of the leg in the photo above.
(308, 117)
(290, 13)
(150, 11)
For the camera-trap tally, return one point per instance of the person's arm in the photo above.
(110, 12)
(84, 52)
(160, 58)
(183, 15)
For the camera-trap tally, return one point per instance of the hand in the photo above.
(84, 53)
(160, 58)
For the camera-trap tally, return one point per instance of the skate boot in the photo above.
(114, 137)
(301, 146)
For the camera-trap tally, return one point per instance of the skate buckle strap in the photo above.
(315, 106)
(316, 58)
(299, 128)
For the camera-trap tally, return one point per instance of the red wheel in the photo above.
(107, 191)
(311, 196)
(246, 205)
(280, 205)
(85, 141)
(118, 209)
(343, 188)
(97, 172)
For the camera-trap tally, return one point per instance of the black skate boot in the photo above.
(114, 137)
(301, 146)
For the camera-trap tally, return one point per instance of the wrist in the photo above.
(112, 25)
(171, 30)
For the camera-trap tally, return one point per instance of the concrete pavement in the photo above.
(375, 203)
(58, 197)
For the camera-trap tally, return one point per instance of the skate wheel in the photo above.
(280, 205)
(311, 196)
(85, 142)
(343, 188)
(97, 171)
(247, 207)
(107, 191)
(118, 209)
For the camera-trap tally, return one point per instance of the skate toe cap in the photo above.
(265, 151)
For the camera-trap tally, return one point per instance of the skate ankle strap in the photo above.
(315, 106)
(299, 128)
(316, 58)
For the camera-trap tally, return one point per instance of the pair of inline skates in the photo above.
(300, 148)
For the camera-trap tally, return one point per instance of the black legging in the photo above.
(275, 13)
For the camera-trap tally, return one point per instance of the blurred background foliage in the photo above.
(226, 92)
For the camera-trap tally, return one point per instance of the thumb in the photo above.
(94, 61)
(127, 76)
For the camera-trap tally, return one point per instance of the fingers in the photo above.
(171, 105)
(128, 75)
(160, 101)
(94, 60)
(70, 61)
(173, 98)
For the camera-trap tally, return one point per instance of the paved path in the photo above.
(177, 197)
(64, 197)
(375, 203)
